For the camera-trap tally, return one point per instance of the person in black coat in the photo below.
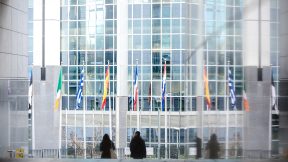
(105, 146)
(137, 147)
(198, 147)
(213, 147)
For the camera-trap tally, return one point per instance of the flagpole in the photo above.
(158, 151)
(236, 122)
(110, 110)
(84, 111)
(227, 113)
(60, 120)
(165, 112)
(137, 102)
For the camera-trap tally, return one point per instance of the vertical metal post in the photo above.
(84, 110)
(137, 102)
(158, 151)
(43, 71)
(110, 109)
(178, 150)
(165, 114)
(227, 115)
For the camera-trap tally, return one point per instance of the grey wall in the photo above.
(256, 123)
(45, 119)
(13, 75)
(283, 77)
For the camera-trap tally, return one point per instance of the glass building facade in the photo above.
(187, 35)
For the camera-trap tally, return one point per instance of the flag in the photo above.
(206, 89)
(231, 89)
(106, 86)
(245, 102)
(150, 94)
(135, 89)
(164, 87)
(79, 94)
(59, 87)
(30, 90)
(273, 95)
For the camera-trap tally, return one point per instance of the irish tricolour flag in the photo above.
(59, 87)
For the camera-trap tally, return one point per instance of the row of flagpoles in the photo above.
(79, 95)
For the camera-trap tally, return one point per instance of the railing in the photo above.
(122, 154)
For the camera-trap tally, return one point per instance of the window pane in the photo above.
(146, 11)
(156, 10)
(109, 11)
(137, 11)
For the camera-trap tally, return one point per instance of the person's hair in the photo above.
(137, 133)
(106, 137)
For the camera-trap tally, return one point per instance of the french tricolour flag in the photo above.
(164, 88)
(135, 89)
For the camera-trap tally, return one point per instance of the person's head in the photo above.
(106, 137)
(137, 134)
(213, 137)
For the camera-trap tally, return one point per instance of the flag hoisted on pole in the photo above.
(231, 89)
(206, 89)
(273, 95)
(79, 94)
(59, 87)
(164, 87)
(245, 101)
(30, 95)
(135, 89)
(149, 94)
(106, 86)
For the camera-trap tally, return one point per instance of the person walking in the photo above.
(137, 147)
(106, 146)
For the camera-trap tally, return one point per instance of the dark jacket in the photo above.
(213, 147)
(138, 148)
(105, 147)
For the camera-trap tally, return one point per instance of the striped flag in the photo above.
(164, 88)
(59, 87)
(150, 94)
(79, 94)
(273, 95)
(30, 95)
(135, 89)
(231, 89)
(206, 89)
(106, 86)
(245, 102)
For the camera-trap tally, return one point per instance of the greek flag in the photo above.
(79, 94)
(273, 95)
(231, 89)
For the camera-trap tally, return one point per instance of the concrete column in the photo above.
(283, 77)
(122, 73)
(256, 54)
(46, 121)
(256, 122)
(199, 56)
